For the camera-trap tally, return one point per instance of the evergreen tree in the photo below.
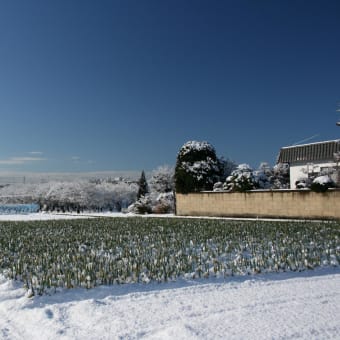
(142, 186)
(197, 167)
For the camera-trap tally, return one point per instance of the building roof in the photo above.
(314, 152)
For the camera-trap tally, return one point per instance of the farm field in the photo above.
(166, 278)
(93, 252)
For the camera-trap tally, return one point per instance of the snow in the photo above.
(45, 216)
(244, 167)
(286, 305)
(306, 144)
(197, 146)
(323, 180)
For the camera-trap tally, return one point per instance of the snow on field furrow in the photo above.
(277, 306)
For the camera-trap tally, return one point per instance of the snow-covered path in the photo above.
(273, 306)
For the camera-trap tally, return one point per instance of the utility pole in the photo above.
(337, 154)
(337, 160)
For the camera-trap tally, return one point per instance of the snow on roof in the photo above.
(309, 152)
(299, 145)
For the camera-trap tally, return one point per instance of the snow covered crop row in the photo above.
(46, 255)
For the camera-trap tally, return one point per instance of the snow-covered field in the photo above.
(45, 216)
(273, 306)
(54, 216)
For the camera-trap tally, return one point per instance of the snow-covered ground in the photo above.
(41, 216)
(274, 306)
(44, 216)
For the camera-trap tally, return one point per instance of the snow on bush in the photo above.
(322, 183)
(241, 179)
(281, 176)
(303, 183)
(162, 179)
(263, 176)
(160, 198)
(319, 184)
(191, 147)
(244, 178)
(323, 180)
(164, 203)
(197, 167)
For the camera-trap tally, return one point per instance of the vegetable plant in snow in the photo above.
(87, 253)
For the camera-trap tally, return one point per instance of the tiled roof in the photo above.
(315, 152)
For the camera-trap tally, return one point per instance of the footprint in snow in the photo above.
(5, 332)
(49, 313)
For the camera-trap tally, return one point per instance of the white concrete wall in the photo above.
(280, 203)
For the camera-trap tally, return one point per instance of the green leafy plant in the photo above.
(47, 256)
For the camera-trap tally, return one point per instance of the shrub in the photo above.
(303, 183)
(322, 184)
(241, 179)
(197, 167)
(142, 206)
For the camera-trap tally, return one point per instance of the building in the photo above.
(309, 160)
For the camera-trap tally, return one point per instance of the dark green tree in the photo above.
(142, 186)
(197, 167)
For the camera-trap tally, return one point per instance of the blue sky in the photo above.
(122, 85)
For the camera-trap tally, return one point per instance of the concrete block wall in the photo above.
(270, 204)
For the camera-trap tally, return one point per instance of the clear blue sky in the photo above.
(122, 85)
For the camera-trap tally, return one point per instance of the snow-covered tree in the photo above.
(197, 167)
(162, 190)
(162, 180)
(73, 196)
(241, 179)
(264, 176)
(226, 166)
(244, 178)
(160, 197)
(281, 176)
